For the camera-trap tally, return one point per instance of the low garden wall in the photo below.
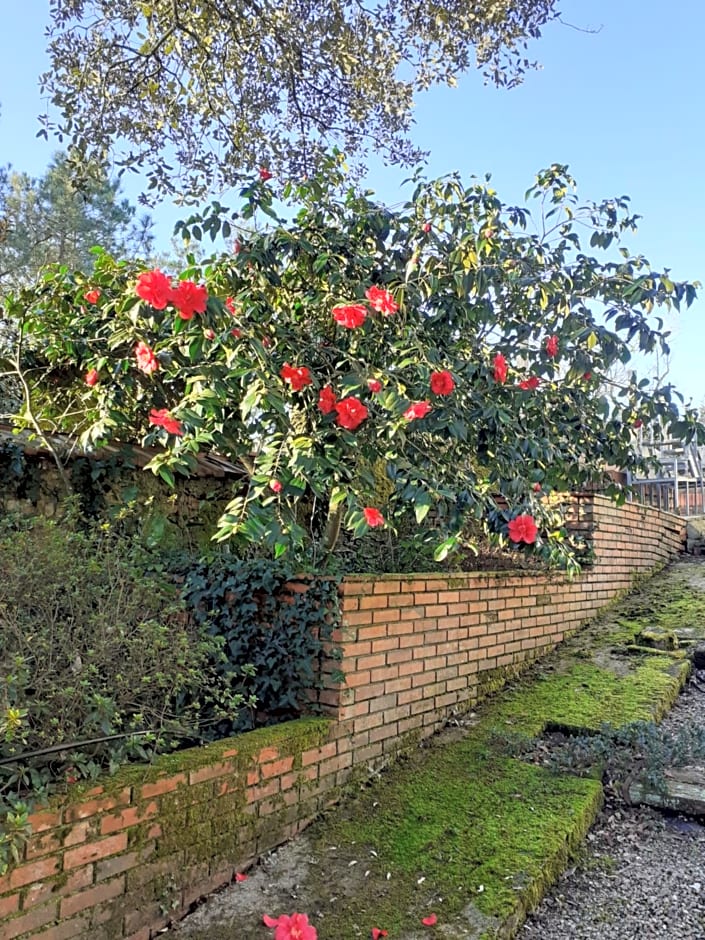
(125, 858)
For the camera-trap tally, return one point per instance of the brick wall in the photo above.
(124, 858)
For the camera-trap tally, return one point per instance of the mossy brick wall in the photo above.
(122, 859)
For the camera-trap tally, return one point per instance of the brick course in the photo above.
(112, 861)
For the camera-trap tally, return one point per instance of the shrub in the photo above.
(449, 356)
(97, 647)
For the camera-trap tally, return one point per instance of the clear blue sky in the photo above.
(624, 107)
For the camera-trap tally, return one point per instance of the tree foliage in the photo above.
(474, 400)
(47, 221)
(203, 89)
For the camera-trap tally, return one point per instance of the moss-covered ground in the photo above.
(460, 829)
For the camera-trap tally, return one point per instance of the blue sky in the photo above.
(623, 106)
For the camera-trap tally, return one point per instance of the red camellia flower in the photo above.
(429, 921)
(418, 410)
(240, 877)
(147, 362)
(523, 529)
(326, 400)
(92, 296)
(531, 384)
(381, 300)
(264, 174)
(291, 927)
(155, 288)
(91, 377)
(351, 413)
(377, 933)
(536, 487)
(162, 419)
(552, 346)
(373, 517)
(350, 315)
(587, 376)
(230, 306)
(374, 385)
(442, 383)
(236, 333)
(426, 228)
(189, 298)
(209, 334)
(275, 486)
(638, 423)
(500, 369)
(297, 376)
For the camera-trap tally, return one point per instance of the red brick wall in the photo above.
(415, 648)
(123, 859)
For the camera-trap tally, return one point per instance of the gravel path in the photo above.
(642, 874)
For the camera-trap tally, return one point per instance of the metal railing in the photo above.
(677, 483)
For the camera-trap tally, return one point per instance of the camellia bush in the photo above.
(450, 358)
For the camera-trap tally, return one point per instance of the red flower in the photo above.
(442, 383)
(92, 296)
(429, 921)
(297, 376)
(266, 342)
(374, 385)
(237, 246)
(638, 423)
(552, 346)
(294, 927)
(91, 377)
(587, 376)
(531, 384)
(236, 333)
(326, 400)
(162, 419)
(230, 306)
(418, 410)
(147, 362)
(373, 517)
(523, 529)
(500, 369)
(377, 933)
(240, 877)
(264, 174)
(189, 298)
(275, 486)
(351, 413)
(209, 334)
(426, 228)
(350, 315)
(381, 300)
(155, 288)
(536, 487)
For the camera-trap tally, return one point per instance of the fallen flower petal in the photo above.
(240, 877)
(270, 921)
(377, 933)
(429, 921)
